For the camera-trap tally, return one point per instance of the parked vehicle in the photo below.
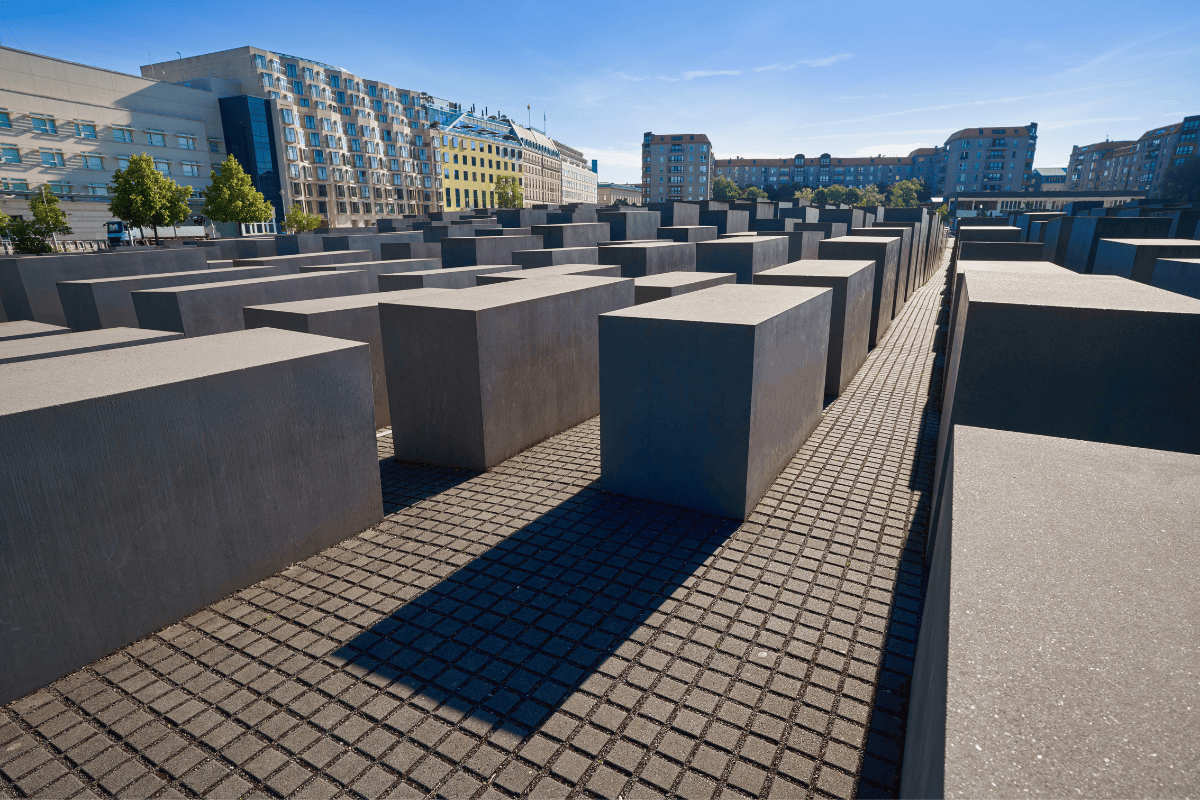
(121, 234)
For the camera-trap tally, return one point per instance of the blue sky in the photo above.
(761, 79)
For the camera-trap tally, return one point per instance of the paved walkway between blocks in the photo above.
(521, 633)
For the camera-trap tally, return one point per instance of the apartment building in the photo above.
(542, 166)
(988, 160)
(1139, 164)
(822, 171)
(609, 193)
(1100, 166)
(1049, 179)
(349, 148)
(474, 153)
(578, 180)
(677, 166)
(68, 127)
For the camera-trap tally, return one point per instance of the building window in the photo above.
(1184, 150)
(92, 162)
(156, 138)
(43, 125)
(162, 166)
(59, 188)
(52, 158)
(86, 130)
(97, 189)
(187, 142)
(123, 135)
(214, 146)
(5, 122)
(191, 169)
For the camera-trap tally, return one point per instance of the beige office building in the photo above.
(578, 180)
(542, 166)
(609, 193)
(68, 127)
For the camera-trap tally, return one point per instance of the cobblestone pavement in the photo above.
(521, 633)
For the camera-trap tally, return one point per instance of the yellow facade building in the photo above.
(473, 156)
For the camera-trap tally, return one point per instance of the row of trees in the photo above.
(903, 194)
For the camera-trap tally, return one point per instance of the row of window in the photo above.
(126, 135)
(11, 154)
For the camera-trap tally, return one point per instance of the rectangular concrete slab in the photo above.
(202, 310)
(1135, 258)
(832, 230)
(144, 483)
(369, 242)
(471, 251)
(1179, 275)
(478, 375)
(638, 259)
(725, 221)
(688, 233)
(903, 265)
(373, 269)
(669, 284)
(354, 318)
(108, 302)
(705, 397)
(586, 270)
(32, 349)
(852, 283)
(802, 214)
(850, 217)
(528, 259)
(292, 264)
(674, 215)
(293, 244)
(1000, 251)
(571, 235)
(1057, 650)
(28, 329)
(1055, 239)
(1025, 222)
(743, 256)
(885, 252)
(802, 244)
(399, 251)
(1087, 233)
(457, 278)
(629, 225)
(520, 217)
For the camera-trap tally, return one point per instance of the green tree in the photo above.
(231, 197)
(905, 194)
(145, 198)
(838, 194)
(943, 211)
(725, 190)
(754, 193)
(298, 220)
(1181, 183)
(508, 193)
(870, 196)
(34, 235)
(804, 194)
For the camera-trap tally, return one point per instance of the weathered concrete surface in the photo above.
(671, 284)
(725, 221)
(638, 259)
(399, 251)
(373, 269)
(802, 244)
(1055, 239)
(586, 270)
(13, 351)
(503, 231)
(802, 214)
(1179, 275)
(1025, 222)
(457, 278)
(630, 225)
(1000, 251)
(1184, 222)
(1054, 603)
(520, 217)
(528, 259)
(108, 302)
(1135, 258)
(28, 329)
(144, 483)
(219, 249)
(755, 210)
(852, 283)
(904, 266)
(1087, 232)
(688, 233)
(478, 375)
(27, 283)
(755, 354)
(470, 251)
(676, 214)
(202, 310)
(769, 225)
(293, 244)
(370, 242)
(885, 252)
(743, 256)
(254, 247)
(850, 217)
(292, 264)
(354, 318)
(572, 235)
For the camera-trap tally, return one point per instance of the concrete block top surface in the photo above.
(668, 280)
(482, 298)
(1073, 646)
(825, 268)
(13, 350)
(325, 304)
(27, 328)
(1156, 243)
(363, 255)
(31, 385)
(727, 304)
(211, 287)
(1075, 291)
(1040, 267)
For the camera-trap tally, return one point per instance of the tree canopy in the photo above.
(298, 220)
(508, 193)
(905, 194)
(231, 197)
(754, 193)
(803, 194)
(144, 197)
(30, 236)
(725, 189)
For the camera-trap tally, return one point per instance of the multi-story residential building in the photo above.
(1049, 179)
(474, 153)
(68, 127)
(578, 181)
(1137, 165)
(348, 148)
(988, 160)
(815, 173)
(542, 165)
(1100, 165)
(677, 167)
(925, 161)
(609, 193)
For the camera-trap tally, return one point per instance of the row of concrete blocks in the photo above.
(1060, 541)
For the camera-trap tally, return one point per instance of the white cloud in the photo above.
(889, 149)
(708, 73)
(828, 60)
(616, 165)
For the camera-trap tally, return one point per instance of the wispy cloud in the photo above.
(813, 62)
(706, 73)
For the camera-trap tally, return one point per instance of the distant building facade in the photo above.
(609, 193)
(677, 166)
(578, 180)
(1138, 164)
(474, 153)
(988, 160)
(1049, 179)
(69, 127)
(815, 173)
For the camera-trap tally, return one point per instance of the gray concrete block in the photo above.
(1179, 275)
(802, 214)
(885, 252)
(688, 233)
(28, 329)
(1000, 251)
(638, 259)
(503, 231)
(458, 278)
(1135, 258)
(370, 242)
(202, 310)
(802, 244)
(579, 234)
(32, 349)
(989, 233)
(1056, 238)
(294, 244)
(28, 283)
(755, 211)
(628, 225)
(832, 230)
(677, 215)
(906, 215)
(557, 270)
(528, 259)
(520, 217)
(354, 318)
(670, 284)
(756, 357)
(373, 269)
(397, 251)
(219, 249)
(904, 266)
(108, 302)
(393, 225)
(579, 215)
(1025, 222)
(254, 247)
(1087, 232)
(852, 283)
(743, 256)
(772, 225)
(1184, 222)
(470, 251)
(292, 264)
(726, 221)
(148, 482)
(1059, 596)
(850, 217)
(478, 375)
